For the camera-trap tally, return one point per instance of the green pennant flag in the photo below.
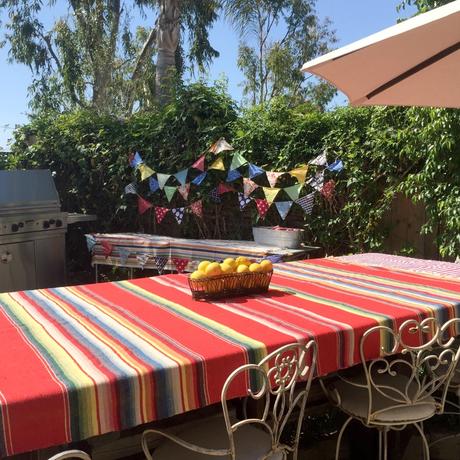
(270, 193)
(237, 161)
(293, 191)
(169, 192)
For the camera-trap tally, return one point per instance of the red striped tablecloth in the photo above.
(85, 360)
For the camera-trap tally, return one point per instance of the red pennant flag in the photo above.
(224, 188)
(160, 213)
(107, 248)
(131, 158)
(143, 205)
(197, 208)
(328, 190)
(199, 164)
(262, 207)
(180, 264)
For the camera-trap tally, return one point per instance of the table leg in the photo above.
(131, 273)
(96, 272)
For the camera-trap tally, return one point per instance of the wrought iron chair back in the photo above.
(71, 455)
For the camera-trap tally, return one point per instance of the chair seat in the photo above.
(251, 443)
(355, 401)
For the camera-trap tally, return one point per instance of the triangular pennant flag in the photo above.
(160, 213)
(199, 164)
(180, 264)
(320, 160)
(220, 146)
(283, 208)
(181, 176)
(107, 248)
(328, 190)
(200, 178)
(162, 179)
(197, 208)
(145, 171)
(337, 166)
(135, 160)
(215, 195)
(248, 186)
(170, 192)
(224, 188)
(143, 205)
(243, 201)
(153, 184)
(124, 255)
(178, 214)
(218, 164)
(299, 173)
(90, 242)
(160, 262)
(293, 191)
(275, 258)
(184, 190)
(270, 193)
(262, 207)
(317, 182)
(238, 160)
(130, 188)
(272, 177)
(233, 175)
(307, 202)
(255, 171)
(142, 259)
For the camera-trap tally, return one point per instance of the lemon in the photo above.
(197, 275)
(213, 269)
(255, 268)
(230, 261)
(226, 268)
(266, 265)
(242, 268)
(202, 265)
(243, 260)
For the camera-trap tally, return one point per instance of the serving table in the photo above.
(85, 360)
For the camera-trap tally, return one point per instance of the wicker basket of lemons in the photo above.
(231, 278)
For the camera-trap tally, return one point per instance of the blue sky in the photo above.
(352, 19)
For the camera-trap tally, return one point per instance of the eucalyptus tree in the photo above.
(423, 5)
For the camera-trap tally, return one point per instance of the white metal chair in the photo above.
(394, 391)
(71, 455)
(282, 382)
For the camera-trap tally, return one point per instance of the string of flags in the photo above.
(161, 181)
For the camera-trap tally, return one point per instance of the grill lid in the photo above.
(30, 190)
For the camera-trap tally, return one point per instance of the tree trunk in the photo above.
(167, 42)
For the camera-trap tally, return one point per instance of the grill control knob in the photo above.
(46, 224)
(58, 223)
(14, 227)
(21, 224)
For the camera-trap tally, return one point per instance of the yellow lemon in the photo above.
(230, 261)
(197, 275)
(243, 260)
(242, 268)
(213, 269)
(255, 268)
(202, 265)
(266, 265)
(226, 268)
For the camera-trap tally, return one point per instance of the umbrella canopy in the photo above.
(416, 63)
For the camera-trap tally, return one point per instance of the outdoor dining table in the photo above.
(81, 361)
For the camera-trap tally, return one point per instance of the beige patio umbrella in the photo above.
(415, 63)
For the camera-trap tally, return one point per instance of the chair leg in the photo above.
(385, 443)
(380, 444)
(339, 439)
(426, 448)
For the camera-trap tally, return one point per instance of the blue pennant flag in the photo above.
(232, 175)
(200, 178)
(90, 242)
(181, 176)
(254, 171)
(137, 160)
(337, 166)
(283, 208)
(275, 258)
(153, 184)
(124, 255)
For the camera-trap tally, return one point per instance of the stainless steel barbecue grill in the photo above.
(32, 231)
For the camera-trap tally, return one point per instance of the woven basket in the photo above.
(230, 285)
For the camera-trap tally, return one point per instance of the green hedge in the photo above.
(385, 151)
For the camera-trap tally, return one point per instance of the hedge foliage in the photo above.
(385, 151)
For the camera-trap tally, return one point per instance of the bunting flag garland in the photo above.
(272, 177)
(243, 201)
(220, 146)
(328, 190)
(320, 160)
(142, 259)
(153, 184)
(233, 175)
(143, 205)
(197, 208)
(181, 176)
(170, 192)
(162, 179)
(135, 160)
(283, 208)
(254, 171)
(145, 171)
(178, 214)
(90, 242)
(237, 161)
(200, 178)
(262, 207)
(160, 213)
(275, 258)
(307, 202)
(107, 248)
(270, 193)
(131, 189)
(199, 164)
(224, 188)
(184, 190)
(180, 264)
(248, 186)
(317, 182)
(160, 263)
(300, 173)
(218, 164)
(337, 166)
(215, 195)
(293, 191)
(124, 255)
